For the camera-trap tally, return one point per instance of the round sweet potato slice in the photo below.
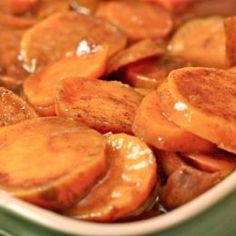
(151, 72)
(139, 20)
(53, 162)
(13, 109)
(202, 101)
(136, 52)
(40, 88)
(60, 35)
(154, 128)
(211, 162)
(103, 105)
(11, 72)
(131, 179)
(202, 42)
(187, 183)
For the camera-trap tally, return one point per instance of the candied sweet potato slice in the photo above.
(151, 72)
(202, 101)
(170, 162)
(53, 162)
(11, 72)
(206, 39)
(131, 179)
(13, 109)
(230, 29)
(41, 87)
(154, 128)
(138, 20)
(61, 34)
(103, 105)
(187, 183)
(143, 49)
(211, 162)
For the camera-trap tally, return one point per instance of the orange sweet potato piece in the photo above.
(54, 162)
(202, 101)
(206, 39)
(103, 105)
(139, 20)
(131, 179)
(230, 29)
(40, 88)
(11, 72)
(13, 109)
(187, 183)
(143, 49)
(64, 32)
(151, 72)
(170, 162)
(211, 162)
(150, 125)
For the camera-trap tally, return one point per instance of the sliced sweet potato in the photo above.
(150, 125)
(211, 162)
(170, 162)
(13, 109)
(56, 170)
(84, 6)
(103, 105)
(206, 39)
(202, 101)
(139, 20)
(41, 87)
(143, 49)
(19, 6)
(62, 33)
(230, 29)
(187, 183)
(150, 73)
(11, 72)
(131, 179)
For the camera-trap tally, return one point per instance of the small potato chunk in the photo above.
(40, 88)
(61, 35)
(136, 52)
(138, 20)
(153, 127)
(50, 162)
(202, 101)
(151, 72)
(130, 181)
(187, 183)
(13, 109)
(201, 41)
(106, 106)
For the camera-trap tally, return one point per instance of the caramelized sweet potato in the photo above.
(143, 49)
(40, 88)
(103, 105)
(139, 20)
(211, 162)
(150, 125)
(230, 29)
(131, 179)
(202, 101)
(187, 183)
(61, 35)
(51, 159)
(201, 41)
(11, 72)
(151, 72)
(13, 109)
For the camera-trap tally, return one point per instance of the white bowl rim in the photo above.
(155, 224)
